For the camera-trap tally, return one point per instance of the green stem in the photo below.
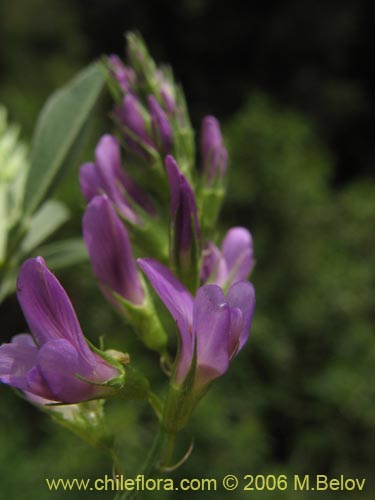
(168, 454)
(155, 405)
(150, 466)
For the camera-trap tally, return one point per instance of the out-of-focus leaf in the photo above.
(58, 130)
(8, 284)
(51, 215)
(15, 193)
(3, 223)
(64, 253)
(13, 170)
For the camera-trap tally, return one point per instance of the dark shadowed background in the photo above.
(290, 82)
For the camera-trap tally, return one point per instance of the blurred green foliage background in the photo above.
(289, 82)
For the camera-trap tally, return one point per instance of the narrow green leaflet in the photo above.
(3, 223)
(58, 130)
(50, 216)
(64, 253)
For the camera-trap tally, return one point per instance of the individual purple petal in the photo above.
(214, 268)
(46, 306)
(211, 326)
(110, 252)
(16, 360)
(137, 195)
(123, 74)
(60, 363)
(161, 128)
(183, 211)
(241, 295)
(131, 117)
(117, 184)
(37, 386)
(106, 176)
(108, 165)
(213, 152)
(237, 249)
(89, 181)
(236, 329)
(167, 91)
(177, 299)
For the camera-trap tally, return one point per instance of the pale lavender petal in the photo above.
(177, 299)
(214, 268)
(46, 306)
(241, 295)
(210, 136)
(16, 359)
(60, 363)
(110, 252)
(211, 326)
(237, 249)
(222, 161)
(39, 400)
(161, 127)
(89, 181)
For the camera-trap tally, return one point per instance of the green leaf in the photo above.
(50, 216)
(64, 253)
(59, 127)
(3, 223)
(7, 284)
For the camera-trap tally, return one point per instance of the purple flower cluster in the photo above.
(207, 294)
(55, 362)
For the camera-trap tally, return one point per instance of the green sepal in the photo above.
(86, 420)
(150, 239)
(145, 321)
(183, 136)
(181, 398)
(211, 199)
(137, 386)
(186, 264)
(112, 84)
(142, 63)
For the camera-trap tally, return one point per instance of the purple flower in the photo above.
(124, 75)
(110, 252)
(232, 263)
(107, 176)
(218, 325)
(184, 217)
(132, 117)
(52, 362)
(214, 154)
(161, 128)
(167, 91)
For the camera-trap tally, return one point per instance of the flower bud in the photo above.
(133, 120)
(161, 128)
(185, 232)
(214, 154)
(124, 75)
